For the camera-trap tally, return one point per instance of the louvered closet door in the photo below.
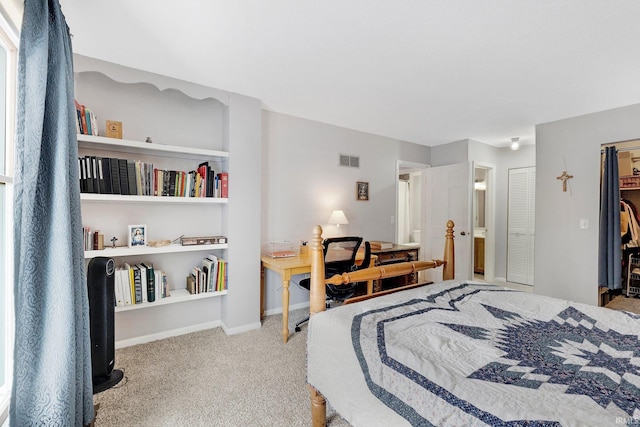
(521, 225)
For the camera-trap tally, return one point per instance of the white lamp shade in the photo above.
(338, 217)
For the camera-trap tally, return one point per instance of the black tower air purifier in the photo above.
(100, 286)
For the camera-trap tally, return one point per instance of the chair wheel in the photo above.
(298, 329)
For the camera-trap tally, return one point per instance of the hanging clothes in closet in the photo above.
(629, 228)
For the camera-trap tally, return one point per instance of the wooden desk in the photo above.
(288, 267)
(395, 254)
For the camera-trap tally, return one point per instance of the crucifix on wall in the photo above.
(564, 178)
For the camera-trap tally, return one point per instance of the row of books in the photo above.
(92, 239)
(211, 276)
(139, 283)
(104, 175)
(86, 120)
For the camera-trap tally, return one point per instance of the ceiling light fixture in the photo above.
(515, 143)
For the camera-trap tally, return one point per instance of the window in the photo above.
(8, 69)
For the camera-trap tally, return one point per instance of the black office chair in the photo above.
(339, 257)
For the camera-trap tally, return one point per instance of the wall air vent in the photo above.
(350, 161)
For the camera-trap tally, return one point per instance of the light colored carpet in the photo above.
(210, 379)
(620, 302)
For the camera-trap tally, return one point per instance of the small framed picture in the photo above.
(137, 235)
(362, 190)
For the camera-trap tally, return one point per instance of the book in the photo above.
(379, 245)
(125, 287)
(224, 184)
(115, 176)
(151, 283)
(131, 177)
(137, 283)
(143, 281)
(124, 179)
(106, 175)
(204, 240)
(117, 288)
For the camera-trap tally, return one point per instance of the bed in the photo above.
(468, 353)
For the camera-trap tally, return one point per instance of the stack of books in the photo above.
(210, 276)
(139, 283)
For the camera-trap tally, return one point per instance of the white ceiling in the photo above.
(424, 71)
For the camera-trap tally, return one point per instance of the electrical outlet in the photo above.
(393, 219)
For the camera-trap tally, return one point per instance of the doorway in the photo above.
(483, 221)
(409, 202)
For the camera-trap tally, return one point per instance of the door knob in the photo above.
(463, 233)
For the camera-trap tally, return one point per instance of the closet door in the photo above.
(521, 225)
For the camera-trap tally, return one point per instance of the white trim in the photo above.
(278, 310)
(6, 179)
(241, 329)
(167, 334)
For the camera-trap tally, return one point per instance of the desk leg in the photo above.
(285, 308)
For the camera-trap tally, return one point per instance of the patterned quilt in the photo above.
(473, 354)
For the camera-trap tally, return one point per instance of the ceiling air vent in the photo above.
(351, 161)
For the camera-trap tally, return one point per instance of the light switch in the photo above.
(584, 224)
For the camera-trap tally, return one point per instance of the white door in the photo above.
(448, 194)
(521, 225)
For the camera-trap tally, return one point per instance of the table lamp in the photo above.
(338, 217)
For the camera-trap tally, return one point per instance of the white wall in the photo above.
(566, 257)
(302, 183)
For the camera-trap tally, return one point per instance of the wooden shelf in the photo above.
(119, 198)
(177, 296)
(149, 250)
(154, 149)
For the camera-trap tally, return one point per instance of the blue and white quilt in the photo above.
(475, 354)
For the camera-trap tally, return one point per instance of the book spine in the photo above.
(131, 177)
(137, 284)
(124, 179)
(115, 175)
(151, 283)
(224, 184)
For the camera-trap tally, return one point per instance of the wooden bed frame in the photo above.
(318, 291)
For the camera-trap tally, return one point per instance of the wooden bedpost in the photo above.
(448, 271)
(318, 293)
(317, 303)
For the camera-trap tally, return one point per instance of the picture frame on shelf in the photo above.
(362, 190)
(137, 235)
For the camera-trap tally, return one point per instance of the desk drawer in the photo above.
(393, 257)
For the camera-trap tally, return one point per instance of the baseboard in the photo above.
(499, 279)
(278, 310)
(240, 329)
(167, 334)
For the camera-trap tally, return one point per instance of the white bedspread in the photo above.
(472, 354)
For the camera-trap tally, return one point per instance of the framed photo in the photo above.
(137, 235)
(362, 191)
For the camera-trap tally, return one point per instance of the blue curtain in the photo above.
(52, 382)
(609, 248)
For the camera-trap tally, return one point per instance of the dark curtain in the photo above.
(609, 248)
(52, 382)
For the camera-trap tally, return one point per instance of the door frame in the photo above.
(490, 219)
(412, 167)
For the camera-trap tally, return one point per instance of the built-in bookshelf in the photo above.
(134, 148)
(101, 208)
(188, 124)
